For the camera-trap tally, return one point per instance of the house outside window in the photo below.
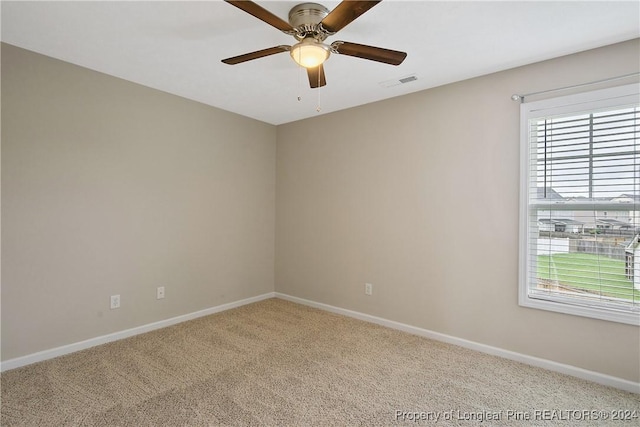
(580, 204)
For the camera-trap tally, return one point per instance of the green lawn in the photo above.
(602, 275)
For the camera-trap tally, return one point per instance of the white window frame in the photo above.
(578, 103)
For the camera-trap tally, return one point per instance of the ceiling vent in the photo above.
(408, 79)
(402, 80)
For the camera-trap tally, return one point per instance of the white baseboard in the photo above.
(550, 365)
(92, 342)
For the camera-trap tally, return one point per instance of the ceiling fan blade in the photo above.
(262, 14)
(255, 55)
(345, 13)
(316, 76)
(372, 53)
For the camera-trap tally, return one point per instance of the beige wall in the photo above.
(108, 188)
(418, 195)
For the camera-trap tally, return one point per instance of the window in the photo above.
(580, 204)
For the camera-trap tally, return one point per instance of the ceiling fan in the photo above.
(310, 24)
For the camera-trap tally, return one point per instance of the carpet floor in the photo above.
(276, 363)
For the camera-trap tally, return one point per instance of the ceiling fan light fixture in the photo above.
(309, 53)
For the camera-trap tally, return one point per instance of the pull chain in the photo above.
(318, 109)
(299, 83)
(300, 71)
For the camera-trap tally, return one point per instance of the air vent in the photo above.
(408, 79)
(402, 80)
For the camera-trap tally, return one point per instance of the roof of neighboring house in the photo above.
(548, 193)
(635, 197)
(565, 221)
(614, 222)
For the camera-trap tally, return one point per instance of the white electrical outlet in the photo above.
(160, 292)
(115, 301)
(368, 289)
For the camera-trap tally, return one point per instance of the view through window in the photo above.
(580, 237)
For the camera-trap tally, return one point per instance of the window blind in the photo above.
(583, 219)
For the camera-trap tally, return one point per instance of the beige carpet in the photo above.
(278, 363)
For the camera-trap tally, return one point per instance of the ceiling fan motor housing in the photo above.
(305, 18)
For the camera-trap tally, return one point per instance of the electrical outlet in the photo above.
(160, 292)
(368, 289)
(115, 301)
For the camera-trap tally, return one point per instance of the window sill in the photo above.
(629, 318)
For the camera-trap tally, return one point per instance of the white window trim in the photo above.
(560, 105)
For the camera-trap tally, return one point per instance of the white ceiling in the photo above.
(176, 46)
